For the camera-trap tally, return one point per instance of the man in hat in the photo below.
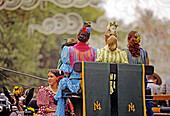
(155, 85)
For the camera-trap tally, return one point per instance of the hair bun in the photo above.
(112, 42)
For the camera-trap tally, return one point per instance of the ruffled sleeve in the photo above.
(65, 67)
(42, 99)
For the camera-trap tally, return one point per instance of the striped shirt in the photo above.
(108, 56)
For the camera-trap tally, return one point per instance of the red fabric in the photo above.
(45, 99)
(81, 52)
(82, 46)
(69, 108)
(59, 78)
(85, 30)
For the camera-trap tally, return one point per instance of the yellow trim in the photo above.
(144, 104)
(83, 87)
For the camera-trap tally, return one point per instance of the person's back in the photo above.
(137, 55)
(79, 52)
(136, 60)
(110, 53)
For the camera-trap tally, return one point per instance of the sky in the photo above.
(125, 9)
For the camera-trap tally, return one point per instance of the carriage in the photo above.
(129, 96)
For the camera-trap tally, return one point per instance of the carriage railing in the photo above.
(149, 70)
(160, 110)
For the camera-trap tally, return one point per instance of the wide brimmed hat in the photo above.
(156, 76)
(69, 42)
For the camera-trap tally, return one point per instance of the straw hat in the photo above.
(155, 76)
(69, 42)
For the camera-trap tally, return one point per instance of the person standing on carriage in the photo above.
(45, 96)
(111, 53)
(79, 52)
(137, 55)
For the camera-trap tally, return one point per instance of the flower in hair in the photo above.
(108, 27)
(86, 29)
(86, 24)
(111, 25)
(138, 39)
(137, 35)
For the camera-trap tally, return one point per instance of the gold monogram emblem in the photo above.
(131, 108)
(97, 106)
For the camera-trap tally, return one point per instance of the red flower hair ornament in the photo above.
(86, 29)
(59, 78)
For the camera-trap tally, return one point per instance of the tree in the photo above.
(156, 39)
(37, 53)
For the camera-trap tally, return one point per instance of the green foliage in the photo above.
(34, 54)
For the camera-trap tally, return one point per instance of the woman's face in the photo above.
(52, 79)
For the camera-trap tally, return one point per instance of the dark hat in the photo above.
(155, 76)
(69, 42)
